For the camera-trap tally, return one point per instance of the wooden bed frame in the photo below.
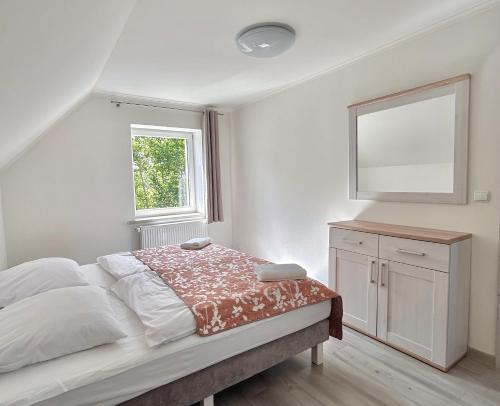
(200, 386)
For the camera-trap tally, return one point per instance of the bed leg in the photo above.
(317, 354)
(208, 401)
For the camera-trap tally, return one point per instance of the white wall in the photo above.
(290, 158)
(3, 253)
(72, 193)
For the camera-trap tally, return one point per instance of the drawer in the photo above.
(354, 241)
(419, 253)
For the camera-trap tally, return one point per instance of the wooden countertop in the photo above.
(413, 233)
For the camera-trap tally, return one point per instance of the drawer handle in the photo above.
(372, 279)
(403, 251)
(382, 283)
(354, 242)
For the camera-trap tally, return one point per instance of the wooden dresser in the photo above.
(408, 287)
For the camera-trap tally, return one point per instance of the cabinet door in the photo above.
(355, 279)
(412, 309)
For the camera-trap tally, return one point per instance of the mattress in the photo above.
(112, 373)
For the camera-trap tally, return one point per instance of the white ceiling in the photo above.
(186, 51)
(54, 52)
(51, 55)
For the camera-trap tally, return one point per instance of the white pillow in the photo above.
(121, 265)
(38, 276)
(55, 323)
(164, 315)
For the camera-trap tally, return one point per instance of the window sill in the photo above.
(167, 219)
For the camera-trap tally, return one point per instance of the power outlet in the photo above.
(481, 196)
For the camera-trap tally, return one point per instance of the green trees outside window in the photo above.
(160, 172)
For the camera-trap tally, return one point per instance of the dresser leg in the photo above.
(208, 401)
(317, 354)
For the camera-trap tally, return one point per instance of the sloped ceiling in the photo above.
(186, 50)
(51, 55)
(54, 52)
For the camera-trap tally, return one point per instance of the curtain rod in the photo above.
(117, 103)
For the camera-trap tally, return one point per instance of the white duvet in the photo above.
(121, 264)
(164, 315)
(112, 373)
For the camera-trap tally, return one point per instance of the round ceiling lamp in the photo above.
(265, 40)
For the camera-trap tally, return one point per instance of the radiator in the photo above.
(157, 235)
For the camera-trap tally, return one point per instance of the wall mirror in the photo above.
(411, 146)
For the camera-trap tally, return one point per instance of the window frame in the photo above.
(195, 169)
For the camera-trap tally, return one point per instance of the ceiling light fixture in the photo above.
(265, 40)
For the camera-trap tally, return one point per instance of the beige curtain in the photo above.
(211, 140)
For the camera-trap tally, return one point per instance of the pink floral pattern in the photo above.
(220, 287)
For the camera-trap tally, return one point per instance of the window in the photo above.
(167, 170)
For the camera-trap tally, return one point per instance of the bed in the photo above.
(181, 372)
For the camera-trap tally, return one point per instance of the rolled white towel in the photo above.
(279, 272)
(196, 243)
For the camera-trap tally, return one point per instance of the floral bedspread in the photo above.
(220, 287)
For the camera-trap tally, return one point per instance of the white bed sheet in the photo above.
(113, 373)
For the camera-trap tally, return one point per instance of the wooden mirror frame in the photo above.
(459, 86)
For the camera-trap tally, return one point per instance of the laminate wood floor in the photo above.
(361, 371)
